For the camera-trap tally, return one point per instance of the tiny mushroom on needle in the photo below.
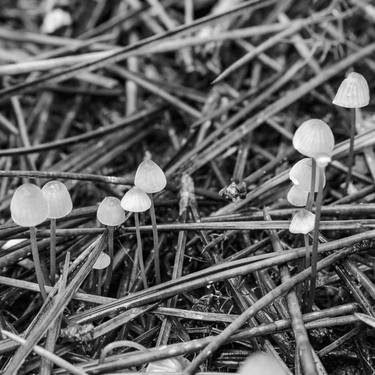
(302, 222)
(151, 179)
(29, 208)
(352, 93)
(111, 214)
(136, 200)
(59, 205)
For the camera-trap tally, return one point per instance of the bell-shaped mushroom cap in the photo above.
(58, 199)
(167, 365)
(300, 175)
(297, 196)
(261, 364)
(302, 222)
(102, 262)
(135, 200)
(28, 206)
(149, 177)
(314, 137)
(110, 212)
(353, 92)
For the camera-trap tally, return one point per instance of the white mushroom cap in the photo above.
(149, 177)
(135, 200)
(110, 212)
(58, 199)
(302, 222)
(28, 206)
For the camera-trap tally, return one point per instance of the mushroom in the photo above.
(261, 363)
(136, 200)
(314, 138)
(151, 179)
(29, 208)
(301, 175)
(297, 196)
(59, 205)
(100, 264)
(168, 365)
(111, 214)
(302, 222)
(352, 93)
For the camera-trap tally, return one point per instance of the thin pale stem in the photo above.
(107, 283)
(156, 241)
(351, 148)
(306, 265)
(100, 282)
(53, 251)
(310, 200)
(314, 253)
(140, 250)
(38, 268)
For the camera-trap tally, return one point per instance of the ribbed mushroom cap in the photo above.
(302, 222)
(261, 364)
(28, 206)
(297, 196)
(58, 199)
(135, 200)
(110, 212)
(300, 175)
(314, 137)
(102, 262)
(149, 177)
(167, 365)
(353, 92)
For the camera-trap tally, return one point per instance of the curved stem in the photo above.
(314, 253)
(156, 241)
(110, 253)
(139, 250)
(53, 251)
(37, 266)
(351, 147)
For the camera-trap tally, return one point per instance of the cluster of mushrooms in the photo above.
(31, 206)
(314, 139)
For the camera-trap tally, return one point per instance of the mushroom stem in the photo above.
(306, 265)
(38, 268)
(351, 147)
(110, 253)
(100, 281)
(314, 253)
(139, 250)
(156, 241)
(53, 251)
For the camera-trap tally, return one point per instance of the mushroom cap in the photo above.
(28, 206)
(261, 364)
(302, 222)
(135, 200)
(149, 177)
(297, 196)
(58, 199)
(300, 175)
(314, 137)
(110, 212)
(102, 262)
(353, 92)
(167, 365)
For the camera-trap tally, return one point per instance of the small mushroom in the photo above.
(168, 365)
(151, 179)
(261, 364)
(297, 196)
(59, 205)
(111, 214)
(29, 208)
(301, 174)
(302, 222)
(352, 93)
(136, 200)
